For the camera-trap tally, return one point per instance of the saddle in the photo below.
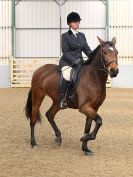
(73, 78)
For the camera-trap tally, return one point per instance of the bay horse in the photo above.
(90, 91)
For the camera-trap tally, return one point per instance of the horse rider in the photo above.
(73, 43)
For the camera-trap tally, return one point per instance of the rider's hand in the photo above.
(77, 62)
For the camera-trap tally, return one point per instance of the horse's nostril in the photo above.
(113, 73)
(116, 71)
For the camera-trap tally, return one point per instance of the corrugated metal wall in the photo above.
(37, 29)
(37, 25)
(121, 26)
(5, 30)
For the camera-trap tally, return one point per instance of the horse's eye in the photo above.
(105, 53)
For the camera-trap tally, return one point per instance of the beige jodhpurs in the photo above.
(66, 71)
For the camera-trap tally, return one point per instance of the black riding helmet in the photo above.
(73, 16)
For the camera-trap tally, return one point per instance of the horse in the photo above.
(90, 91)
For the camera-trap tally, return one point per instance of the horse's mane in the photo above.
(94, 52)
(92, 55)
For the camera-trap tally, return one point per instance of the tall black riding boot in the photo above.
(63, 93)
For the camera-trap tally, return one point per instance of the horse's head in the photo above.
(110, 56)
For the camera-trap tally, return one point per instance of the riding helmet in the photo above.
(73, 16)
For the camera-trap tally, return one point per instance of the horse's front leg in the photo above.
(92, 135)
(86, 131)
(91, 114)
(98, 121)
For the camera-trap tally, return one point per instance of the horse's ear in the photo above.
(101, 41)
(114, 40)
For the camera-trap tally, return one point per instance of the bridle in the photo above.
(105, 66)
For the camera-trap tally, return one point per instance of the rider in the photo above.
(73, 43)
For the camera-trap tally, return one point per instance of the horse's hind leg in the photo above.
(50, 114)
(86, 131)
(35, 117)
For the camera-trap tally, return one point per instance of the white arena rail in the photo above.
(22, 70)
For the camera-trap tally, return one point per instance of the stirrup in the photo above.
(63, 104)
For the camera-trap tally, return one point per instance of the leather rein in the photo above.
(105, 66)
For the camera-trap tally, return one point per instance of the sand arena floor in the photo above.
(113, 148)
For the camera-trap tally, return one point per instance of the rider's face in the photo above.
(74, 25)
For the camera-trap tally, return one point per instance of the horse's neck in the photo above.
(96, 60)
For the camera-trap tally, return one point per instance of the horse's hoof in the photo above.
(86, 150)
(58, 141)
(33, 145)
(88, 153)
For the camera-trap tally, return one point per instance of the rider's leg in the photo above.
(66, 70)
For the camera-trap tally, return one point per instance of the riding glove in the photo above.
(77, 62)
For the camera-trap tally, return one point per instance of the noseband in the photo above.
(105, 66)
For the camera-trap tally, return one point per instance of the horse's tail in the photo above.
(28, 108)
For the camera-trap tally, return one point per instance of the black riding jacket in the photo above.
(72, 48)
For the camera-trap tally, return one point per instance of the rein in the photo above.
(105, 67)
